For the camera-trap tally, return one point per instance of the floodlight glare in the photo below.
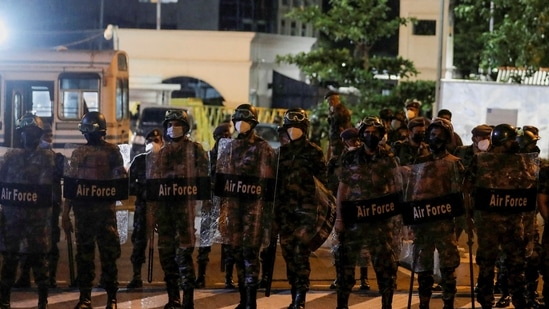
(3, 32)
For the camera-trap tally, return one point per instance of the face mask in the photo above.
(351, 148)
(175, 132)
(437, 145)
(410, 114)
(483, 145)
(294, 133)
(395, 124)
(153, 147)
(242, 126)
(45, 145)
(418, 138)
(371, 141)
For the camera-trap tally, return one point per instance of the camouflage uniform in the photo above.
(339, 119)
(244, 219)
(24, 222)
(365, 177)
(179, 158)
(543, 196)
(296, 208)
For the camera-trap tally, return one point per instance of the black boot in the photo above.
(24, 277)
(111, 298)
(43, 297)
(136, 282)
(293, 292)
(333, 286)
(200, 282)
(364, 284)
(425, 282)
(174, 298)
(229, 284)
(242, 292)
(343, 299)
(299, 300)
(85, 300)
(424, 302)
(188, 299)
(251, 298)
(448, 303)
(5, 293)
(387, 300)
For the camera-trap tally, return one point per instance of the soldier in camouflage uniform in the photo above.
(439, 232)
(296, 207)
(408, 151)
(543, 206)
(247, 159)
(29, 170)
(367, 175)
(95, 219)
(137, 174)
(180, 158)
(339, 119)
(500, 228)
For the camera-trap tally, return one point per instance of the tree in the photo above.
(520, 32)
(350, 29)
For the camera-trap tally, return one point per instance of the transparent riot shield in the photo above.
(245, 175)
(27, 181)
(431, 191)
(507, 184)
(97, 176)
(177, 180)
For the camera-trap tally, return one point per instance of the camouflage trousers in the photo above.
(438, 235)
(247, 265)
(38, 262)
(378, 238)
(139, 233)
(96, 224)
(176, 261)
(296, 255)
(500, 233)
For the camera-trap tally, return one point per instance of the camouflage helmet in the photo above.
(445, 125)
(178, 115)
(370, 121)
(245, 112)
(29, 120)
(502, 133)
(93, 122)
(296, 117)
(527, 135)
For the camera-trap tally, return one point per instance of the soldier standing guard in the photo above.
(29, 170)
(434, 197)
(138, 178)
(368, 177)
(300, 161)
(177, 179)
(98, 165)
(339, 119)
(248, 161)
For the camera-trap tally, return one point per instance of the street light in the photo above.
(110, 33)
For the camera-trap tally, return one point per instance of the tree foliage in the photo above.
(519, 36)
(343, 56)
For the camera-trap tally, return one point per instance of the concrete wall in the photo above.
(238, 64)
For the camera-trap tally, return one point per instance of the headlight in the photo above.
(138, 139)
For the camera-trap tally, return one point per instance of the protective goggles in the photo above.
(243, 114)
(88, 127)
(295, 116)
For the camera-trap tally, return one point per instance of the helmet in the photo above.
(93, 122)
(386, 114)
(368, 122)
(29, 120)
(176, 114)
(222, 130)
(527, 135)
(443, 124)
(296, 117)
(153, 133)
(245, 112)
(502, 133)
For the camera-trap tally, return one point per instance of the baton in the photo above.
(151, 258)
(71, 260)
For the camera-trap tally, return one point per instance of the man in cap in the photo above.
(408, 151)
(456, 140)
(138, 178)
(339, 119)
(412, 107)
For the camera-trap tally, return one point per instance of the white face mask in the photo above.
(175, 131)
(153, 147)
(395, 124)
(242, 126)
(294, 133)
(483, 145)
(410, 114)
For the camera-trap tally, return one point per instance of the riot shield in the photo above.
(244, 182)
(431, 191)
(27, 196)
(326, 215)
(177, 179)
(96, 175)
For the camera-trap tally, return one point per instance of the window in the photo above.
(122, 99)
(41, 102)
(79, 94)
(425, 27)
